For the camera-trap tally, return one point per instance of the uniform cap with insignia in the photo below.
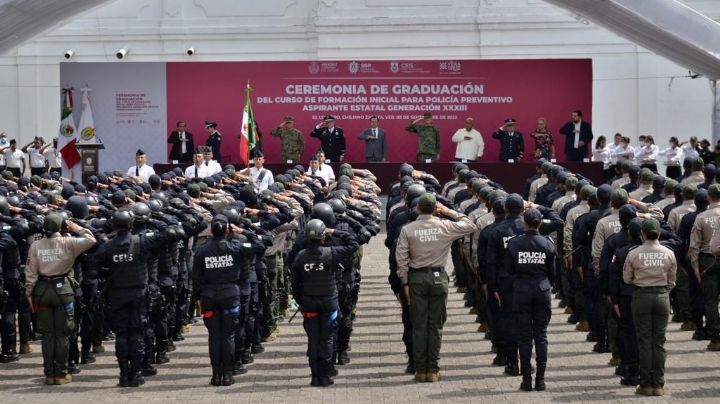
(498, 206)
(626, 214)
(646, 175)
(532, 217)
(210, 124)
(289, 119)
(139, 152)
(427, 201)
(514, 201)
(52, 223)
(328, 118)
(193, 190)
(586, 191)
(689, 191)
(659, 182)
(650, 225)
(427, 115)
(714, 191)
(619, 197)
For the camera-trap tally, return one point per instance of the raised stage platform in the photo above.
(512, 176)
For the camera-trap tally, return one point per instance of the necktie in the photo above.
(137, 171)
(196, 171)
(374, 132)
(207, 163)
(313, 172)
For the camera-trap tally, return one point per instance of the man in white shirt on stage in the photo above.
(53, 156)
(314, 170)
(14, 159)
(470, 144)
(140, 170)
(34, 152)
(199, 169)
(326, 171)
(213, 167)
(262, 176)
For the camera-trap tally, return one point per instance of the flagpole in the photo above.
(251, 125)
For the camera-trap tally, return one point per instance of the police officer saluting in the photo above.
(421, 253)
(123, 262)
(217, 269)
(531, 262)
(314, 272)
(652, 268)
(49, 284)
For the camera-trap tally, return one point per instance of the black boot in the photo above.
(86, 355)
(216, 376)
(227, 376)
(632, 376)
(511, 369)
(73, 368)
(238, 368)
(171, 346)
(314, 381)
(161, 358)
(257, 348)
(136, 375)
(147, 369)
(343, 358)
(325, 381)
(124, 374)
(500, 359)
(540, 377)
(247, 357)
(410, 369)
(526, 384)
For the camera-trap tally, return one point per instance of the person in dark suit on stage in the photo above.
(215, 139)
(578, 137)
(512, 146)
(182, 144)
(374, 137)
(332, 139)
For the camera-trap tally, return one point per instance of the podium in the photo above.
(89, 159)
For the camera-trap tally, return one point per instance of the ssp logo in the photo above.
(87, 133)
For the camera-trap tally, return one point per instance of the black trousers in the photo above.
(220, 311)
(38, 170)
(8, 331)
(320, 314)
(673, 172)
(627, 340)
(533, 300)
(15, 171)
(506, 324)
(128, 316)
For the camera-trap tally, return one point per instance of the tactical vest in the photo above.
(127, 266)
(151, 260)
(11, 264)
(220, 264)
(317, 272)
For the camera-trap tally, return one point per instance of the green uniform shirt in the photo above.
(428, 138)
(292, 141)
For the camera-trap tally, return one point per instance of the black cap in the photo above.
(514, 201)
(221, 219)
(210, 124)
(139, 152)
(327, 118)
(510, 121)
(532, 217)
(626, 214)
(498, 206)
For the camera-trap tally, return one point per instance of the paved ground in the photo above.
(376, 374)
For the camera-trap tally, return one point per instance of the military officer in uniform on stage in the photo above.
(215, 139)
(428, 138)
(332, 139)
(512, 146)
(292, 143)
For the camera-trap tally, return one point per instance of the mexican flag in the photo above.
(68, 131)
(87, 124)
(249, 132)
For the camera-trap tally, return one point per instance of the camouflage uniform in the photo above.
(428, 141)
(293, 143)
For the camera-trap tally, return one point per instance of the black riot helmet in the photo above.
(315, 229)
(154, 204)
(122, 220)
(4, 206)
(141, 212)
(161, 196)
(13, 200)
(324, 212)
(338, 206)
(414, 191)
(232, 215)
(78, 206)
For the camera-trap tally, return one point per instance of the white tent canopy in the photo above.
(666, 27)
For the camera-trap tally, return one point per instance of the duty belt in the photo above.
(428, 269)
(58, 278)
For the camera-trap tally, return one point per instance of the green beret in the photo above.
(670, 185)
(646, 175)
